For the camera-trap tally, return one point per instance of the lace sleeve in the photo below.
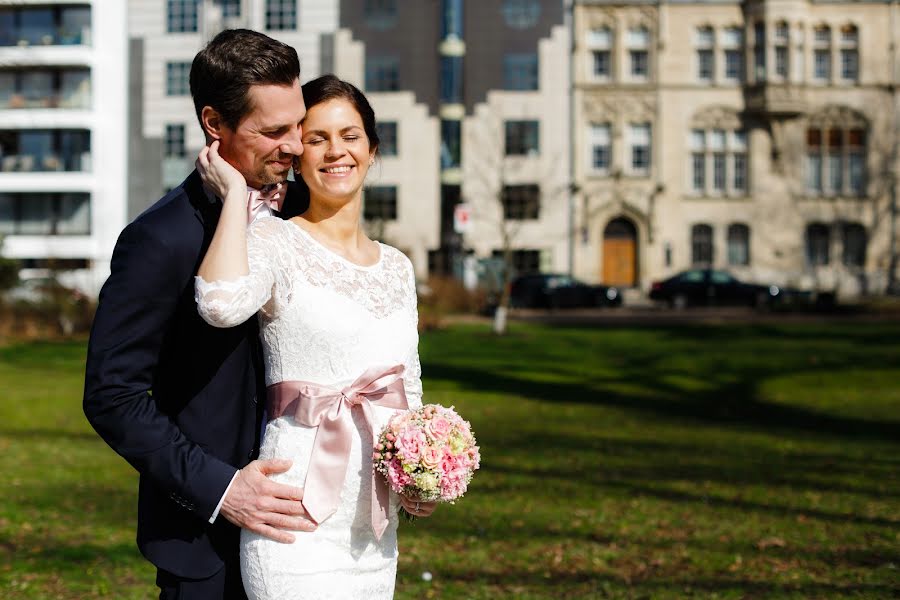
(230, 303)
(412, 375)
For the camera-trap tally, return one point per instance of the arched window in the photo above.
(701, 244)
(705, 42)
(782, 49)
(854, 241)
(817, 244)
(738, 244)
(822, 53)
(849, 53)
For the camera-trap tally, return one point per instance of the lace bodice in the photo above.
(325, 320)
(322, 318)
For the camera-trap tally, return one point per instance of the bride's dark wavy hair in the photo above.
(330, 87)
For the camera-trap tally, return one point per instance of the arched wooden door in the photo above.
(619, 253)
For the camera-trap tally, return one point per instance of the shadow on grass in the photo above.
(729, 404)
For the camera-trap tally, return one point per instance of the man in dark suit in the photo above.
(180, 400)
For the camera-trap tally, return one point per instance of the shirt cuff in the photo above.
(215, 514)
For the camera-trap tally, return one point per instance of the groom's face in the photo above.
(266, 141)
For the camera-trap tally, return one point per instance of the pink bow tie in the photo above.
(329, 409)
(270, 196)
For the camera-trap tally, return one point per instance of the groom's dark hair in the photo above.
(234, 60)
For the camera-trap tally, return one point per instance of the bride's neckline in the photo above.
(337, 255)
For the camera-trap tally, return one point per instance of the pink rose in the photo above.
(431, 457)
(409, 445)
(439, 428)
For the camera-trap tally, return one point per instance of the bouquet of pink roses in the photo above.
(428, 453)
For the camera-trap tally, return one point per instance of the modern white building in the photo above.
(63, 150)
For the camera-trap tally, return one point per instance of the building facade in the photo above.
(473, 97)
(759, 136)
(63, 166)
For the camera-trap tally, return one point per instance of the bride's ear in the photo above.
(212, 123)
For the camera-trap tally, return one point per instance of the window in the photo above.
(639, 53)
(281, 15)
(733, 48)
(835, 161)
(452, 19)
(380, 14)
(451, 134)
(177, 79)
(704, 41)
(782, 48)
(387, 137)
(45, 214)
(382, 74)
(42, 150)
(520, 72)
(182, 16)
(45, 25)
(600, 41)
(521, 14)
(173, 144)
(601, 147)
(524, 261)
(822, 53)
(522, 138)
(759, 51)
(380, 203)
(854, 242)
(231, 8)
(45, 88)
(723, 154)
(849, 53)
(451, 79)
(818, 240)
(521, 202)
(738, 244)
(640, 137)
(701, 245)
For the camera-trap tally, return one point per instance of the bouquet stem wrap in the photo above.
(314, 405)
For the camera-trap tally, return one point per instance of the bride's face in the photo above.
(336, 151)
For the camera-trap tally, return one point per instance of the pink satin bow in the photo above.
(270, 196)
(328, 409)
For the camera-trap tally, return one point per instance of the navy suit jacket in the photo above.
(179, 399)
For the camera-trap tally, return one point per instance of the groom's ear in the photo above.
(212, 122)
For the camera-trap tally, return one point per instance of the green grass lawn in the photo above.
(710, 462)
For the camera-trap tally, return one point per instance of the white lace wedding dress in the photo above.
(323, 319)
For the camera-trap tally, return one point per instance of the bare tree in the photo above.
(505, 193)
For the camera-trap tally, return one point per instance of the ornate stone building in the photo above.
(759, 137)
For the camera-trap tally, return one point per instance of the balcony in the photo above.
(45, 26)
(775, 99)
(45, 88)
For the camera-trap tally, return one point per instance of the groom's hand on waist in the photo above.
(256, 503)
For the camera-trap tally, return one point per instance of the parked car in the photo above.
(552, 290)
(710, 287)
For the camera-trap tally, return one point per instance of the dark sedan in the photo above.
(550, 290)
(709, 287)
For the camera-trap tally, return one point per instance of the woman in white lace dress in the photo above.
(336, 310)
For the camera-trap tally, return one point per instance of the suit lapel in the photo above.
(206, 212)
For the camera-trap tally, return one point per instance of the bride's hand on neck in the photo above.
(218, 175)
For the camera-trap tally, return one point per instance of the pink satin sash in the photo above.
(329, 409)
